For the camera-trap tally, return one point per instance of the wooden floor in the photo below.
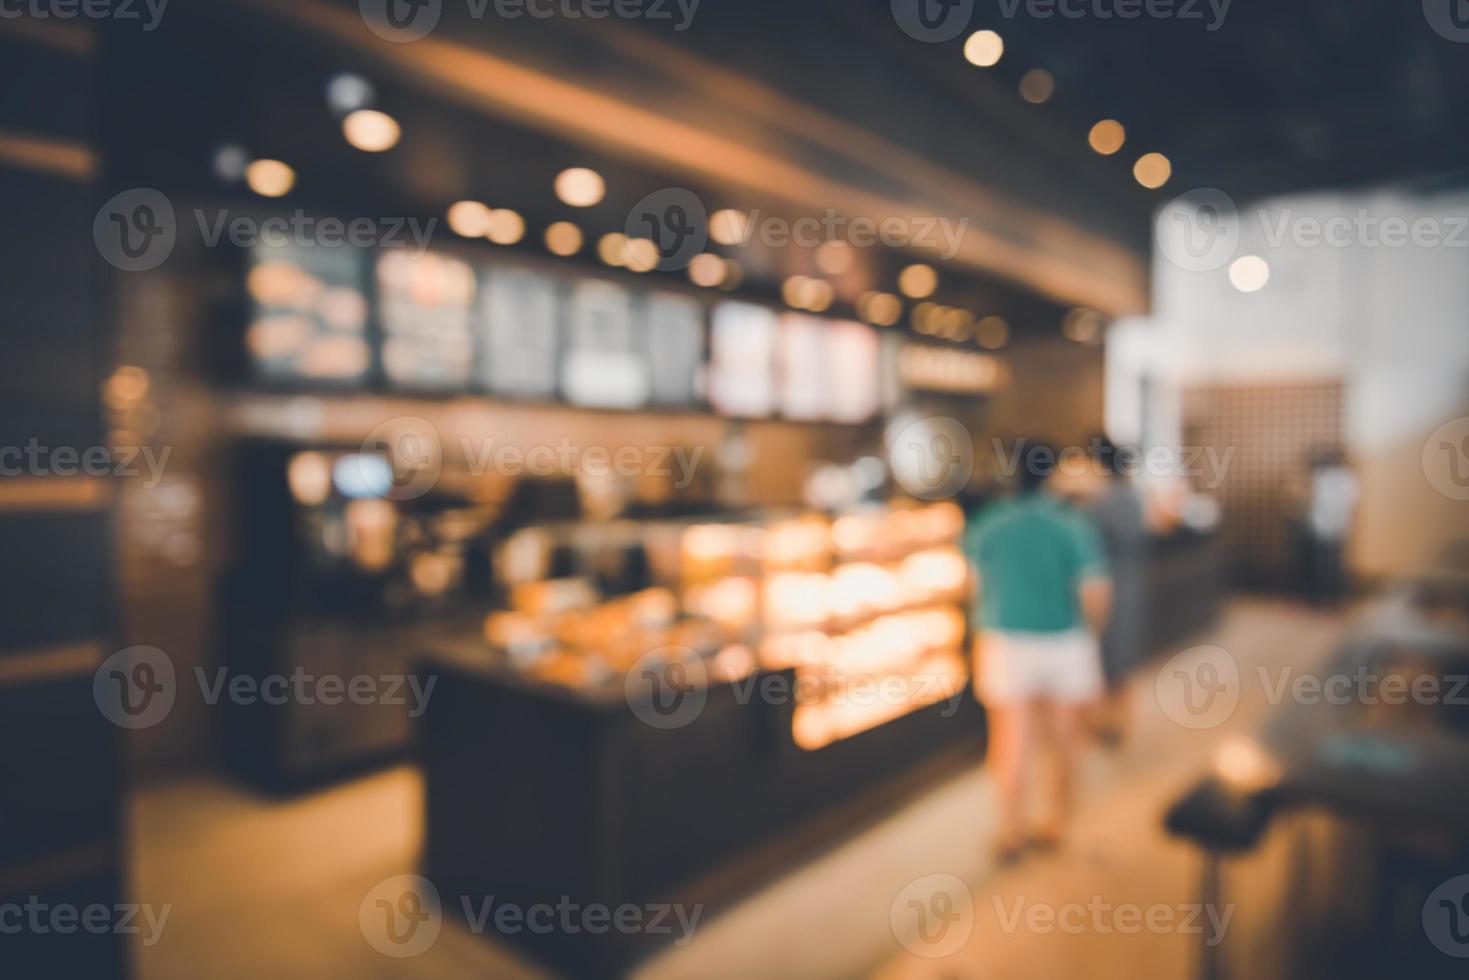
(272, 889)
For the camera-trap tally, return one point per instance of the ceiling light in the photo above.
(563, 238)
(506, 227)
(270, 178)
(1152, 170)
(1107, 137)
(580, 187)
(1037, 86)
(612, 249)
(469, 218)
(983, 49)
(1249, 273)
(728, 227)
(918, 281)
(371, 131)
(707, 270)
(992, 332)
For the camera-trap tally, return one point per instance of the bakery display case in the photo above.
(671, 699)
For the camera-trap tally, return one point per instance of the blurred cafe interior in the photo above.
(509, 488)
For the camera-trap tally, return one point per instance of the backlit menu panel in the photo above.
(742, 360)
(674, 335)
(425, 303)
(604, 365)
(308, 314)
(518, 333)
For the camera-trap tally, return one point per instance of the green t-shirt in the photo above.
(1032, 552)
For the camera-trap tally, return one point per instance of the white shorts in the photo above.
(1062, 667)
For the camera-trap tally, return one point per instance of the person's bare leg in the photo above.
(1010, 752)
(1064, 722)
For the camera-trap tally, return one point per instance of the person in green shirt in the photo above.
(1042, 594)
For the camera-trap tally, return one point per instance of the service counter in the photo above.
(537, 792)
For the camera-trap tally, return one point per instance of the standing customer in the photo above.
(1042, 595)
(1117, 509)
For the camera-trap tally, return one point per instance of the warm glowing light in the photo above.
(1246, 766)
(882, 309)
(793, 290)
(957, 324)
(707, 270)
(612, 249)
(640, 255)
(1037, 86)
(270, 178)
(469, 218)
(818, 295)
(984, 49)
(918, 281)
(1152, 170)
(1249, 273)
(924, 316)
(1107, 137)
(992, 332)
(563, 238)
(580, 187)
(1082, 325)
(505, 227)
(729, 227)
(834, 258)
(371, 131)
(309, 476)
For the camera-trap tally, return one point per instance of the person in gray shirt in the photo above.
(1117, 510)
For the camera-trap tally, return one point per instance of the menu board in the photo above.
(518, 327)
(742, 360)
(425, 302)
(804, 377)
(308, 314)
(853, 360)
(674, 333)
(604, 365)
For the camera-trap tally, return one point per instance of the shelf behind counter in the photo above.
(540, 793)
